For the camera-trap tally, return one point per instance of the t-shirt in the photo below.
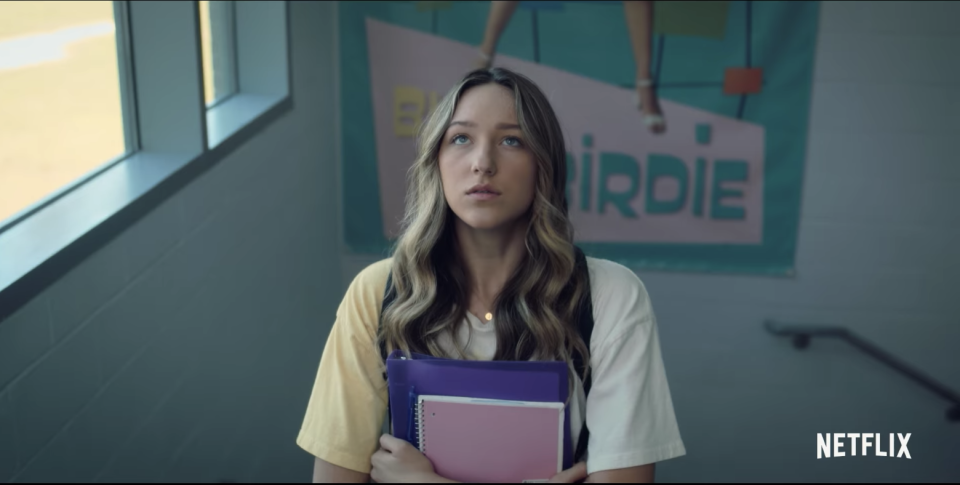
(629, 410)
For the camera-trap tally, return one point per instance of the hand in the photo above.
(571, 475)
(399, 462)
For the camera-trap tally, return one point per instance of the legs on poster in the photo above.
(639, 18)
(500, 14)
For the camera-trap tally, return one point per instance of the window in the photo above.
(61, 114)
(102, 117)
(217, 27)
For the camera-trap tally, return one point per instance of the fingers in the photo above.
(571, 475)
(388, 442)
(376, 463)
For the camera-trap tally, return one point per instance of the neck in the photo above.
(490, 256)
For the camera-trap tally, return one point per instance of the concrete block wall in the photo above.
(878, 251)
(185, 349)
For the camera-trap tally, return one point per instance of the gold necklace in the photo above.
(488, 316)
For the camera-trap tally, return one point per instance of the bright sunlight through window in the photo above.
(218, 47)
(60, 100)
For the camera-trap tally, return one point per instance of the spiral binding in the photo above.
(421, 441)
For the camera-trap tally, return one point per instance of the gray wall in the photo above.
(879, 251)
(185, 348)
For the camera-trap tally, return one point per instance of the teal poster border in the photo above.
(779, 37)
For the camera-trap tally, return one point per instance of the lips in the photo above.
(484, 189)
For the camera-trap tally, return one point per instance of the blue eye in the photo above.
(513, 141)
(457, 137)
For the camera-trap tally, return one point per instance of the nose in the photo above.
(483, 162)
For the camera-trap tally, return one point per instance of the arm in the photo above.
(629, 409)
(325, 472)
(345, 413)
(634, 474)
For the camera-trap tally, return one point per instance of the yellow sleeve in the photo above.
(349, 400)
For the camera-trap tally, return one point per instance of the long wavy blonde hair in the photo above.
(536, 313)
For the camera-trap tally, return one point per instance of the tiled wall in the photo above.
(185, 349)
(879, 252)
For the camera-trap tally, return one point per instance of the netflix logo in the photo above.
(827, 447)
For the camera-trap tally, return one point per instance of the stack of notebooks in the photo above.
(482, 421)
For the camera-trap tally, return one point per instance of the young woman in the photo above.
(485, 268)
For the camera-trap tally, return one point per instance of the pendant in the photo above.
(488, 316)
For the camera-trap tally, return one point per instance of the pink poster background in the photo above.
(407, 59)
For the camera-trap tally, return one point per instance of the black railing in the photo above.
(801, 335)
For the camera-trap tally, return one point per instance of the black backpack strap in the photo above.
(585, 325)
(389, 294)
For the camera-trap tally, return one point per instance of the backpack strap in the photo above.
(389, 294)
(585, 325)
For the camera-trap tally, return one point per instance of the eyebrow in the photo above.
(500, 126)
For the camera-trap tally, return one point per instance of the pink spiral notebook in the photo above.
(490, 440)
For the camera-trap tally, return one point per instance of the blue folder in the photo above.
(510, 380)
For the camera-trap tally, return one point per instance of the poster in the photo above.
(717, 190)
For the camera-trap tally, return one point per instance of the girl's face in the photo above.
(488, 174)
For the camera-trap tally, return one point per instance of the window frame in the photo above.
(223, 40)
(128, 103)
(167, 131)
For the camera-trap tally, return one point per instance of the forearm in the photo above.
(636, 474)
(326, 472)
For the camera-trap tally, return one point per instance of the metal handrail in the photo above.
(801, 335)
